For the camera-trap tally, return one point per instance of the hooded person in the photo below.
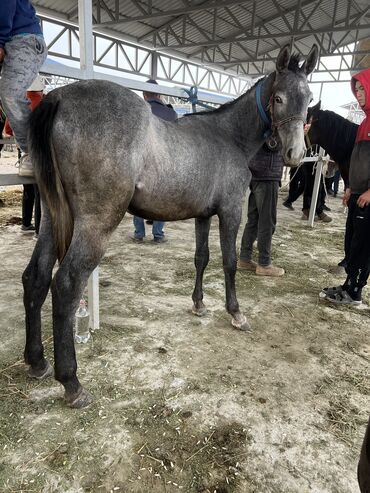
(357, 197)
(357, 240)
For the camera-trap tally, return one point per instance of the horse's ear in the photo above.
(282, 60)
(311, 60)
(313, 111)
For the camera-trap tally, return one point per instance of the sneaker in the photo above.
(342, 298)
(269, 270)
(25, 166)
(160, 239)
(136, 239)
(27, 229)
(325, 218)
(248, 265)
(326, 208)
(288, 205)
(333, 290)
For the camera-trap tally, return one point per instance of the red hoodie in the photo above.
(363, 132)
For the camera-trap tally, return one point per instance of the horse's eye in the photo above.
(278, 99)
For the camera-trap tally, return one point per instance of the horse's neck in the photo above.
(248, 122)
(335, 143)
(242, 122)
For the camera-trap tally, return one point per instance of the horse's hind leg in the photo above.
(85, 251)
(229, 225)
(36, 281)
(201, 261)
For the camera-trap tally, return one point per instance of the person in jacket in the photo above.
(266, 168)
(357, 197)
(165, 112)
(22, 52)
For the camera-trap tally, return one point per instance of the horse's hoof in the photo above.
(199, 312)
(48, 371)
(83, 399)
(241, 323)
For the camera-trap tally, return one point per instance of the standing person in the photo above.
(22, 52)
(296, 186)
(266, 168)
(31, 197)
(165, 112)
(357, 197)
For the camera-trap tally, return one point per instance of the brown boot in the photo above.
(249, 265)
(270, 270)
(305, 213)
(325, 218)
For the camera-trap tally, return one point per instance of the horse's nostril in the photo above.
(289, 153)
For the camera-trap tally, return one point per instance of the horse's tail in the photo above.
(48, 174)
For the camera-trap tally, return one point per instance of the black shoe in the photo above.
(136, 239)
(160, 239)
(326, 208)
(149, 221)
(288, 205)
(27, 229)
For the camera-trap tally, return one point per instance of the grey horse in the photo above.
(98, 152)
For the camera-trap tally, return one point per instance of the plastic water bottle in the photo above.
(82, 332)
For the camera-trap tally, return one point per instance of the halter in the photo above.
(268, 117)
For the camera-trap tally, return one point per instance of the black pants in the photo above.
(296, 185)
(31, 198)
(261, 222)
(357, 244)
(309, 180)
(363, 470)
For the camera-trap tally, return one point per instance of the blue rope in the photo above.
(193, 99)
(263, 114)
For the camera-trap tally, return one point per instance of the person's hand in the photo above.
(346, 196)
(364, 199)
(2, 54)
(306, 128)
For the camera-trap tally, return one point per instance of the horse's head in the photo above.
(289, 102)
(313, 114)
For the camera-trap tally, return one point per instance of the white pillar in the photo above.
(316, 187)
(86, 38)
(93, 299)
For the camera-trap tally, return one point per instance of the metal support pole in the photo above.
(86, 38)
(153, 71)
(316, 187)
(93, 299)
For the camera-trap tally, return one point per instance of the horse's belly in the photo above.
(167, 206)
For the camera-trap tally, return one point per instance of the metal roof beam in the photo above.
(209, 4)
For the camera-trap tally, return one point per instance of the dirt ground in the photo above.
(184, 403)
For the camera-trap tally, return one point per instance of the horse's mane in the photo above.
(225, 106)
(340, 132)
(293, 66)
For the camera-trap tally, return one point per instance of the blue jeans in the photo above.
(157, 229)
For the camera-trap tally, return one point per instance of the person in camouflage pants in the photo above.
(22, 52)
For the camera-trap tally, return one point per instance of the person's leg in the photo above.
(250, 229)
(157, 230)
(336, 180)
(37, 209)
(27, 206)
(266, 199)
(358, 261)
(309, 179)
(24, 56)
(139, 228)
(298, 187)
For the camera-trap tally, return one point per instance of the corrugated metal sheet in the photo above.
(233, 21)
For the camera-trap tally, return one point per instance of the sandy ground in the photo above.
(185, 403)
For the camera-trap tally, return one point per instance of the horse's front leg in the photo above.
(201, 261)
(229, 226)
